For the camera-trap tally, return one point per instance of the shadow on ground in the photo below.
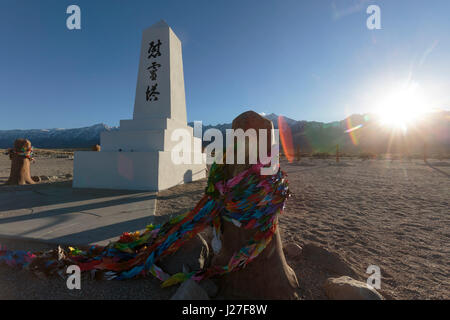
(57, 213)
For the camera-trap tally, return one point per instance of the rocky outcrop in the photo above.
(21, 156)
(192, 256)
(190, 290)
(292, 250)
(347, 288)
(327, 260)
(268, 276)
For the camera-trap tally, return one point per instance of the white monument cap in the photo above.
(160, 85)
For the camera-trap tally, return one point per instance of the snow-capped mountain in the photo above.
(274, 118)
(56, 138)
(310, 136)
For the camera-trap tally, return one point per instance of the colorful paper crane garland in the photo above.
(249, 200)
(22, 152)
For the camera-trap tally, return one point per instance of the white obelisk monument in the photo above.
(138, 155)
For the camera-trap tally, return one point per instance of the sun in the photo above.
(403, 107)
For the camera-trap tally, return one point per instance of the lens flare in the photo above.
(354, 128)
(286, 138)
(351, 131)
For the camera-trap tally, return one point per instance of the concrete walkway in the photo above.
(56, 213)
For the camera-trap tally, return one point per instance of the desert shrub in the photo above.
(321, 155)
(443, 156)
(367, 155)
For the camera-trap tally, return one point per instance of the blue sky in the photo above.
(308, 60)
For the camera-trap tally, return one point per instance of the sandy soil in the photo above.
(394, 214)
(48, 163)
(21, 284)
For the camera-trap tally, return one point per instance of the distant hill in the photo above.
(310, 136)
(56, 138)
(368, 135)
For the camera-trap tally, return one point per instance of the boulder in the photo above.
(21, 156)
(192, 256)
(327, 260)
(252, 120)
(347, 288)
(210, 287)
(190, 290)
(245, 121)
(292, 250)
(268, 276)
(97, 148)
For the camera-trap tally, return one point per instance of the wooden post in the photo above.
(425, 152)
(337, 153)
(268, 276)
(298, 156)
(20, 165)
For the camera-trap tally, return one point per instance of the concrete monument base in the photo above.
(151, 171)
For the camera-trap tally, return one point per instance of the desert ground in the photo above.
(389, 213)
(51, 164)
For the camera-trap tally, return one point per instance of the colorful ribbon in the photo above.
(22, 152)
(249, 200)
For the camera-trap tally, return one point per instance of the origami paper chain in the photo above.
(249, 200)
(27, 153)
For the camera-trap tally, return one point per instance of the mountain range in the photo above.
(56, 138)
(368, 135)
